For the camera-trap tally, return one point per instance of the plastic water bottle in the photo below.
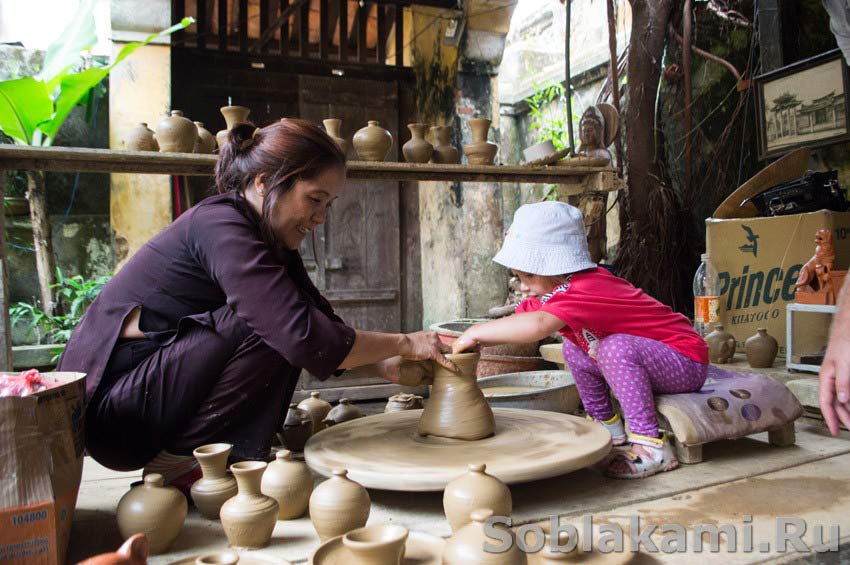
(706, 296)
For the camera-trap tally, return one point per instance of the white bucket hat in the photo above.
(546, 238)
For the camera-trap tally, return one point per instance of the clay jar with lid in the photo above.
(317, 409)
(761, 349)
(466, 546)
(140, 138)
(297, 428)
(721, 345)
(339, 505)
(333, 126)
(153, 509)
(417, 150)
(480, 151)
(342, 412)
(249, 517)
(215, 486)
(376, 545)
(473, 490)
(373, 142)
(290, 483)
(232, 115)
(176, 134)
(206, 141)
(444, 152)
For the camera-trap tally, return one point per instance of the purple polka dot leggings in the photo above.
(633, 368)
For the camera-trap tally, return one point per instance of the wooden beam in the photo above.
(178, 9)
(264, 22)
(324, 32)
(382, 34)
(243, 25)
(304, 31)
(5, 324)
(343, 30)
(201, 24)
(399, 36)
(222, 25)
(284, 28)
(362, 22)
(282, 20)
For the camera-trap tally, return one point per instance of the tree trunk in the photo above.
(44, 261)
(5, 327)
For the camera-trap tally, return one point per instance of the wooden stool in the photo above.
(730, 405)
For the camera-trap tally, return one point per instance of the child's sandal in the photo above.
(660, 458)
(615, 427)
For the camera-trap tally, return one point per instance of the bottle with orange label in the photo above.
(706, 296)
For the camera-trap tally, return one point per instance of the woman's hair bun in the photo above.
(241, 136)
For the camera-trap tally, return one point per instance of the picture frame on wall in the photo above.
(804, 104)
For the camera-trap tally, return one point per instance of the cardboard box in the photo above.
(758, 261)
(41, 464)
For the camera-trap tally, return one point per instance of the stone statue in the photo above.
(592, 134)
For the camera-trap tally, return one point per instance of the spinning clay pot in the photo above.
(215, 487)
(376, 545)
(476, 489)
(761, 349)
(290, 483)
(444, 152)
(339, 505)
(480, 151)
(466, 546)
(205, 143)
(373, 142)
(153, 509)
(317, 409)
(297, 428)
(417, 150)
(140, 138)
(176, 134)
(249, 517)
(342, 412)
(721, 345)
(333, 127)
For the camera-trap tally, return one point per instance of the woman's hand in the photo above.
(835, 383)
(424, 346)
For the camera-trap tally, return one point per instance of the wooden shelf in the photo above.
(85, 160)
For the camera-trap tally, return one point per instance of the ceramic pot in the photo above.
(317, 409)
(457, 408)
(473, 490)
(153, 509)
(548, 557)
(376, 545)
(232, 115)
(417, 150)
(140, 138)
(338, 506)
(218, 558)
(297, 428)
(134, 551)
(290, 483)
(215, 487)
(492, 365)
(176, 134)
(444, 152)
(466, 546)
(206, 141)
(761, 349)
(334, 126)
(249, 517)
(342, 412)
(403, 401)
(373, 142)
(721, 345)
(480, 151)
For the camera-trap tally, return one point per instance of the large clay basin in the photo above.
(492, 365)
(554, 353)
(553, 391)
(449, 331)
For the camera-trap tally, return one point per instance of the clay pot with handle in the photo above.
(249, 517)
(153, 509)
(339, 505)
(290, 483)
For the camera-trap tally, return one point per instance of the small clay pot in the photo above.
(403, 401)
(140, 138)
(334, 126)
(480, 151)
(473, 490)
(376, 545)
(153, 509)
(232, 115)
(373, 142)
(721, 345)
(290, 483)
(761, 349)
(317, 409)
(176, 134)
(417, 150)
(339, 505)
(297, 428)
(249, 517)
(215, 487)
(444, 152)
(466, 546)
(206, 141)
(342, 412)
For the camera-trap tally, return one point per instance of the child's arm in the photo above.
(518, 328)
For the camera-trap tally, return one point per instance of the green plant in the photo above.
(547, 114)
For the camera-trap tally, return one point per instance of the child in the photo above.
(616, 336)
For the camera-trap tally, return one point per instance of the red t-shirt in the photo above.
(594, 304)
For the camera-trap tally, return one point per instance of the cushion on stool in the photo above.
(730, 405)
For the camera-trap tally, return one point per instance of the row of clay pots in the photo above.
(761, 348)
(177, 134)
(312, 415)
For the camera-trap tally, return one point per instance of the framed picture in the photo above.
(804, 104)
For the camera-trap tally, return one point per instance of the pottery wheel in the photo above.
(386, 452)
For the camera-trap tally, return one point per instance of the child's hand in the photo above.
(468, 340)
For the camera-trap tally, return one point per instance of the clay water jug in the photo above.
(376, 545)
(473, 490)
(342, 412)
(206, 141)
(444, 152)
(176, 134)
(403, 401)
(373, 142)
(140, 138)
(417, 150)
(480, 151)
(297, 428)
(249, 517)
(334, 126)
(290, 483)
(215, 486)
(317, 409)
(339, 505)
(721, 345)
(466, 546)
(457, 408)
(761, 349)
(153, 509)
(232, 115)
